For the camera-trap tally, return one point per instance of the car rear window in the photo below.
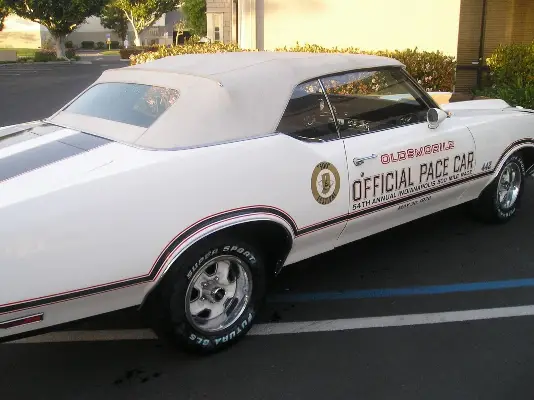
(129, 103)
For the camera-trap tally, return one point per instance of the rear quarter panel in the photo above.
(106, 230)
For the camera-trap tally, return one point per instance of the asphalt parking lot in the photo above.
(441, 308)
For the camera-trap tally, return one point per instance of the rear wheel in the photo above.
(210, 296)
(501, 199)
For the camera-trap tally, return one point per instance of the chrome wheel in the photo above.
(218, 293)
(509, 186)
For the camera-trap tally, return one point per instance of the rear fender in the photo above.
(506, 155)
(204, 231)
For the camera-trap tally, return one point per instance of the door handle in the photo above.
(359, 161)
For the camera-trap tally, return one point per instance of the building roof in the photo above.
(223, 96)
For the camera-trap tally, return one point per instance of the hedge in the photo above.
(70, 54)
(512, 65)
(134, 51)
(511, 75)
(434, 71)
(88, 44)
(187, 48)
(45, 56)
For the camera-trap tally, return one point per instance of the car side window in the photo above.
(373, 100)
(307, 115)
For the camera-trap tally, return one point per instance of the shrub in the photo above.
(115, 44)
(126, 53)
(511, 75)
(69, 44)
(70, 54)
(190, 47)
(515, 96)
(434, 71)
(100, 45)
(48, 44)
(512, 65)
(88, 44)
(45, 55)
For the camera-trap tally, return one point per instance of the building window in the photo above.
(215, 26)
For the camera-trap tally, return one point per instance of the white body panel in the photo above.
(102, 228)
(403, 177)
(90, 225)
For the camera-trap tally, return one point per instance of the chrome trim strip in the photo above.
(12, 323)
(330, 107)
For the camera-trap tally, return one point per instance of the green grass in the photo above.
(23, 53)
(110, 53)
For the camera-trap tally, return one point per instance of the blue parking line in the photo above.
(397, 292)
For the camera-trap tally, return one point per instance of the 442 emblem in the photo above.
(486, 166)
(325, 183)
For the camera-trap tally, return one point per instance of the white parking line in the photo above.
(391, 321)
(302, 327)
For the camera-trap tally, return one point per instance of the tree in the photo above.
(114, 18)
(60, 17)
(4, 12)
(195, 16)
(143, 13)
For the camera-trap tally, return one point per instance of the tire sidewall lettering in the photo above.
(506, 214)
(204, 341)
(243, 324)
(221, 250)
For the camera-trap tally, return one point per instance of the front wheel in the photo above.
(500, 201)
(211, 295)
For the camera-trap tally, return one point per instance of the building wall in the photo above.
(468, 44)
(20, 33)
(369, 25)
(499, 24)
(78, 37)
(507, 21)
(523, 22)
(223, 7)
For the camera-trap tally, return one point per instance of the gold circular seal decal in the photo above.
(325, 183)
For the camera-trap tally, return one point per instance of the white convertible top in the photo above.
(223, 96)
(290, 67)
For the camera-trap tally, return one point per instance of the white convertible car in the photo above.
(184, 185)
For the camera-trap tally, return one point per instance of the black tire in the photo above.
(167, 313)
(487, 207)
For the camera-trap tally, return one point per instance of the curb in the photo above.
(17, 64)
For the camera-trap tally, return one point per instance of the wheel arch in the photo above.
(265, 231)
(527, 154)
(526, 151)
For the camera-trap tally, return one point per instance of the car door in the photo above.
(399, 169)
(316, 171)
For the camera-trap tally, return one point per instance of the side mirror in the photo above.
(435, 117)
